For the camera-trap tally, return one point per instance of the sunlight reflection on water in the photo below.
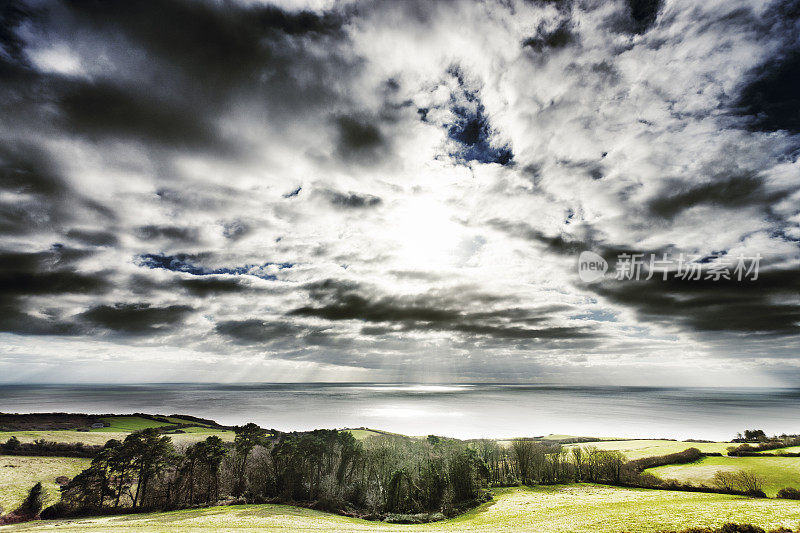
(465, 411)
(390, 412)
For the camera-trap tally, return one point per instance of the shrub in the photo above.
(329, 503)
(41, 447)
(789, 493)
(11, 444)
(419, 518)
(734, 528)
(57, 510)
(33, 503)
(689, 455)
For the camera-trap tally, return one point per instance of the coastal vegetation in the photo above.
(373, 475)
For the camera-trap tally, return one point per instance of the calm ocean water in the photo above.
(466, 411)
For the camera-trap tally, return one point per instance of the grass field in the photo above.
(19, 474)
(790, 449)
(636, 449)
(570, 508)
(190, 436)
(128, 423)
(118, 428)
(361, 434)
(777, 472)
(178, 420)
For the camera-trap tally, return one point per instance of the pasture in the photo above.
(790, 449)
(19, 474)
(554, 509)
(637, 449)
(127, 424)
(777, 472)
(190, 436)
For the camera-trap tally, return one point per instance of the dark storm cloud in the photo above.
(294, 339)
(765, 305)
(359, 138)
(38, 198)
(204, 287)
(337, 301)
(207, 39)
(15, 318)
(357, 307)
(12, 16)
(558, 244)
(93, 237)
(51, 274)
(47, 272)
(38, 193)
(254, 331)
(725, 191)
(26, 170)
(560, 37)
(176, 233)
(101, 110)
(136, 318)
(351, 200)
(20, 283)
(171, 68)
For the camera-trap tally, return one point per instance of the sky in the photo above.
(208, 190)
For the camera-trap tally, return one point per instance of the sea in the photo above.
(474, 410)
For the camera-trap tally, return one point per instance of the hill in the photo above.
(554, 509)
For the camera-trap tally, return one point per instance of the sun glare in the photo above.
(427, 236)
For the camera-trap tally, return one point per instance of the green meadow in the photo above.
(19, 474)
(790, 449)
(362, 434)
(190, 436)
(776, 472)
(567, 508)
(121, 426)
(127, 423)
(637, 449)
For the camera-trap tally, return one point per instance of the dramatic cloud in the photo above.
(398, 190)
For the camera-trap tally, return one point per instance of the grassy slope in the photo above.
(26, 471)
(361, 434)
(100, 437)
(178, 420)
(636, 449)
(778, 472)
(128, 423)
(790, 449)
(573, 508)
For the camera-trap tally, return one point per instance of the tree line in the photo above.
(383, 477)
(45, 448)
